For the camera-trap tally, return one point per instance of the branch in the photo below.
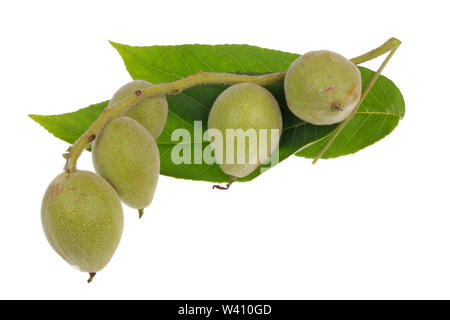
(389, 45)
(120, 108)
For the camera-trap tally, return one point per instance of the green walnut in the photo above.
(82, 219)
(126, 155)
(247, 127)
(322, 87)
(151, 113)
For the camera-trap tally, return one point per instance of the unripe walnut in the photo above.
(151, 113)
(322, 87)
(126, 155)
(242, 107)
(83, 220)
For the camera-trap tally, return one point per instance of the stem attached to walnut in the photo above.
(120, 108)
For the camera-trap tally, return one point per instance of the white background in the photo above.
(371, 225)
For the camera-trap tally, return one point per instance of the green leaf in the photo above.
(378, 115)
(70, 126)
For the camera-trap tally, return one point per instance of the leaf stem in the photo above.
(364, 93)
(118, 109)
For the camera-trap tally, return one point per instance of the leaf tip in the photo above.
(115, 45)
(34, 117)
(38, 119)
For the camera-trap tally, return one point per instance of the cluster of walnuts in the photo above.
(82, 212)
